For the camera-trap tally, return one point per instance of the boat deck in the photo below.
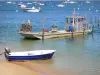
(50, 34)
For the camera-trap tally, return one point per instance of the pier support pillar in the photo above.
(92, 29)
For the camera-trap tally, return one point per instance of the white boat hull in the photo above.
(35, 10)
(31, 9)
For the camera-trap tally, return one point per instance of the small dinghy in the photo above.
(29, 55)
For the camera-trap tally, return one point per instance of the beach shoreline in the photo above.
(27, 68)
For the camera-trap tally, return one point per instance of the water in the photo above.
(80, 54)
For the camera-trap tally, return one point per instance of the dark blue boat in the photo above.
(29, 55)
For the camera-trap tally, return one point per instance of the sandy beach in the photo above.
(7, 68)
(28, 68)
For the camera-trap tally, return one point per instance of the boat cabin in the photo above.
(75, 23)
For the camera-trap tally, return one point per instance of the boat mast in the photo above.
(73, 16)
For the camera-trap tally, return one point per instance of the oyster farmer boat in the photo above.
(75, 25)
(29, 55)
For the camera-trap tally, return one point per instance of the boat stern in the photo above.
(7, 53)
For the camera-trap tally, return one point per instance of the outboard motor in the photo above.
(6, 53)
(7, 50)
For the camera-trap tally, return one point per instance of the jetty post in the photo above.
(17, 27)
(72, 32)
(73, 24)
(42, 33)
(93, 26)
(43, 28)
(83, 30)
(92, 29)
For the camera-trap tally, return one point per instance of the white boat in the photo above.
(70, 2)
(9, 2)
(29, 55)
(60, 5)
(34, 2)
(22, 6)
(88, 2)
(33, 9)
(29, 3)
(41, 3)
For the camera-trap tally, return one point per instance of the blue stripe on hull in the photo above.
(46, 56)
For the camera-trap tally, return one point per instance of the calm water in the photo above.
(80, 54)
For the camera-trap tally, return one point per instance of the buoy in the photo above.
(89, 9)
(97, 10)
(16, 10)
(78, 8)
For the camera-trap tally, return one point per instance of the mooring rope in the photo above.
(2, 53)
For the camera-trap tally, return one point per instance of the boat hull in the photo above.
(32, 10)
(32, 35)
(36, 57)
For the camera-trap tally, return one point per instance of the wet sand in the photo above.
(8, 68)
(28, 68)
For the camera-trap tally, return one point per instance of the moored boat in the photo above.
(9, 2)
(75, 25)
(33, 9)
(29, 55)
(22, 5)
(88, 2)
(41, 3)
(60, 5)
(70, 2)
